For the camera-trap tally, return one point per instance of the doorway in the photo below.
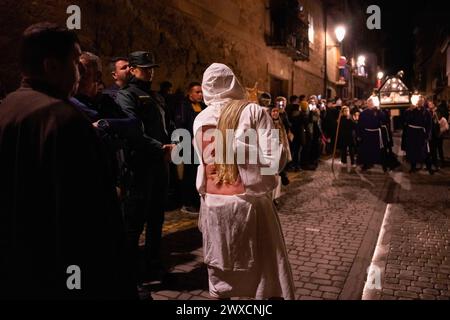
(279, 87)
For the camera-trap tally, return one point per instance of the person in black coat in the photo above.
(418, 135)
(191, 106)
(330, 125)
(59, 211)
(370, 135)
(347, 135)
(149, 162)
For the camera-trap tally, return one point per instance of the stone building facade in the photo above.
(186, 36)
(432, 61)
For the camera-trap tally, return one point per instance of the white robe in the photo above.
(243, 243)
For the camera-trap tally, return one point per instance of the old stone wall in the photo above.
(186, 36)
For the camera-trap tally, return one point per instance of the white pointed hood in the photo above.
(219, 86)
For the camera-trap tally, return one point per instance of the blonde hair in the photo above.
(229, 119)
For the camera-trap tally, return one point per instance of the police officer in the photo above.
(149, 161)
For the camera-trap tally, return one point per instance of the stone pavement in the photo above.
(332, 227)
(414, 250)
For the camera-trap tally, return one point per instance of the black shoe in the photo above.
(412, 170)
(284, 180)
(365, 168)
(431, 171)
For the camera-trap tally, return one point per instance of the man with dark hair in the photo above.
(100, 102)
(120, 72)
(58, 207)
(187, 112)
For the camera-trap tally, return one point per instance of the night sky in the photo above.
(398, 21)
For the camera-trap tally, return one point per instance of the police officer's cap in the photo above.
(142, 59)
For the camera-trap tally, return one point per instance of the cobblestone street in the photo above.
(332, 231)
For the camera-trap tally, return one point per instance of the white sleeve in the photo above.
(273, 155)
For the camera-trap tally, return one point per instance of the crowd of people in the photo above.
(358, 130)
(84, 169)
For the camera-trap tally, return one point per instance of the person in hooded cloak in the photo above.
(243, 243)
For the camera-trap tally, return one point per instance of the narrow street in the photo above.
(106, 108)
(332, 232)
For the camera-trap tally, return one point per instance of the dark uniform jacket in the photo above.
(58, 205)
(139, 102)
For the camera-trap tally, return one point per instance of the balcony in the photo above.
(293, 45)
(288, 30)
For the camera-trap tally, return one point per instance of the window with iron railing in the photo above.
(289, 29)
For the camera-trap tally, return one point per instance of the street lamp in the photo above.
(340, 33)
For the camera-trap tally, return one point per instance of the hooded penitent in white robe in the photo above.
(243, 243)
